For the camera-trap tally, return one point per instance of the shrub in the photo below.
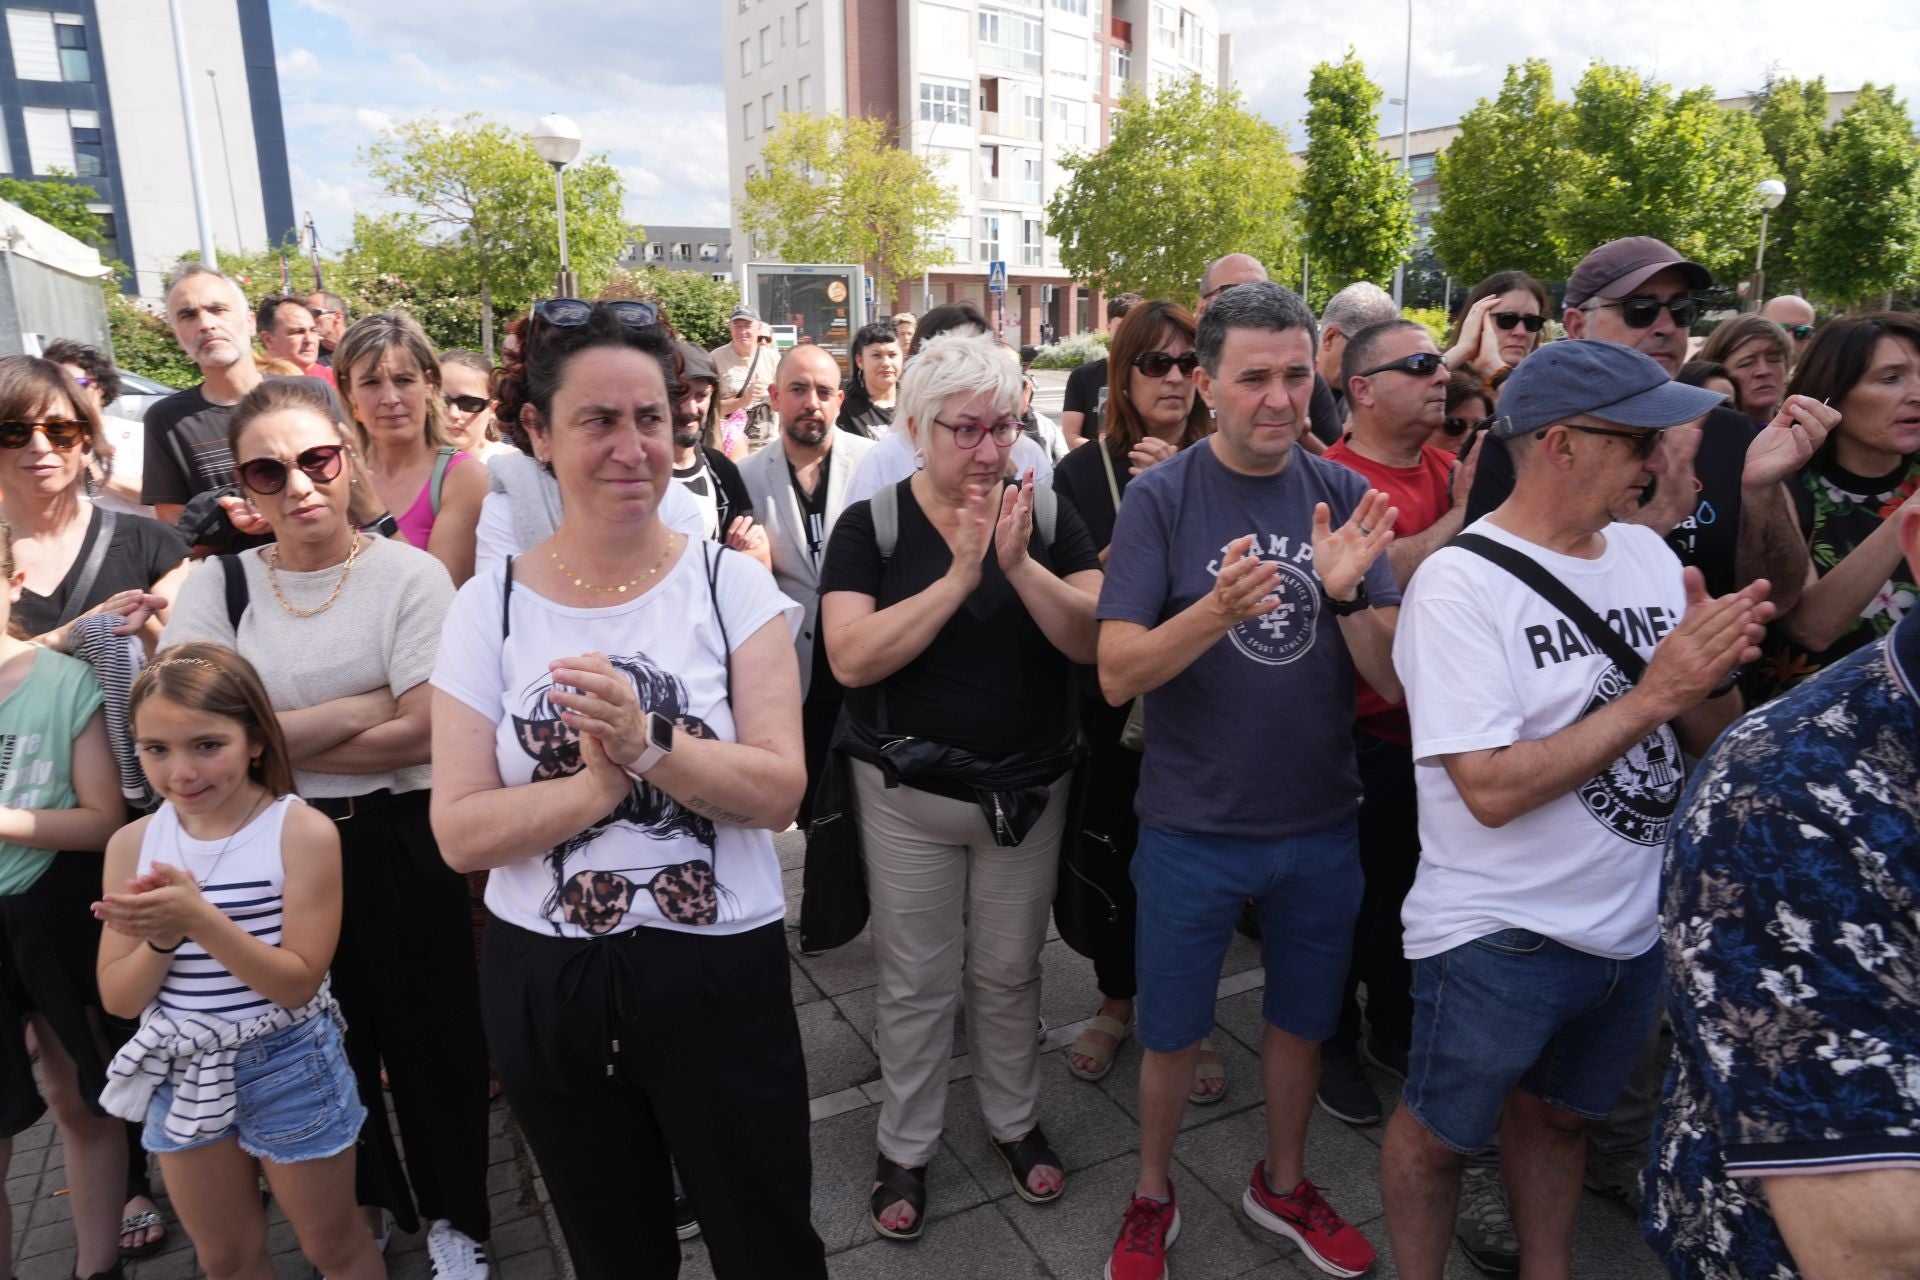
(1071, 353)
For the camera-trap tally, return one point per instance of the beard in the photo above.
(807, 431)
(686, 435)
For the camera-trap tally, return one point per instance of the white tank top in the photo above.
(243, 877)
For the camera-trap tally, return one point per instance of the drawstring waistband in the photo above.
(596, 954)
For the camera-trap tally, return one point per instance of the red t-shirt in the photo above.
(1421, 494)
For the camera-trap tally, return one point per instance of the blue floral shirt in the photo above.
(1791, 916)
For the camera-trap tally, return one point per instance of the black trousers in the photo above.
(1389, 855)
(616, 1051)
(404, 976)
(1109, 829)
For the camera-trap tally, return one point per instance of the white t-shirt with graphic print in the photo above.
(1486, 662)
(650, 862)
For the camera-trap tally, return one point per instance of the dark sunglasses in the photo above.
(1508, 319)
(1421, 364)
(1801, 333)
(61, 435)
(1157, 364)
(1460, 426)
(571, 313)
(467, 404)
(269, 475)
(968, 435)
(1639, 312)
(1643, 441)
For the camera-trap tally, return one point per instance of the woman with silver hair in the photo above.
(953, 606)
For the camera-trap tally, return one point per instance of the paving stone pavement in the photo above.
(978, 1228)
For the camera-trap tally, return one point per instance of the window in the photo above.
(683, 252)
(806, 93)
(785, 104)
(70, 33)
(766, 113)
(62, 139)
(1163, 28)
(1419, 167)
(1032, 235)
(1069, 122)
(766, 45)
(945, 103)
(1122, 65)
(6, 160)
(753, 171)
(1195, 38)
(746, 57)
(1067, 55)
(1032, 116)
(746, 119)
(991, 221)
(1009, 39)
(783, 31)
(989, 162)
(1071, 6)
(1030, 179)
(36, 55)
(109, 227)
(709, 252)
(803, 24)
(89, 153)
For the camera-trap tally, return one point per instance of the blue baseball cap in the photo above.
(1603, 379)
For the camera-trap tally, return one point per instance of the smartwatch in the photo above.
(1347, 608)
(386, 526)
(659, 745)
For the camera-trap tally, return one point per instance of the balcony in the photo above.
(1009, 126)
(1009, 191)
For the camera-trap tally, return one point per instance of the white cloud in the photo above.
(372, 121)
(415, 68)
(298, 64)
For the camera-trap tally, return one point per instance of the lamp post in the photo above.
(557, 139)
(1771, 192)
(194, 171)
(239, 239)
(1406, 139)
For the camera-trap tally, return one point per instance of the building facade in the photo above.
(89, 88)
(993, 92)
(708, 250)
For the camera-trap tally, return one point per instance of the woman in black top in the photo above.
(1153, 412)
(956, 644)
(868, 407)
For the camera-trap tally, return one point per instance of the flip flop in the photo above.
(138, 1222)
(1100, 1053)
(1208, 1071)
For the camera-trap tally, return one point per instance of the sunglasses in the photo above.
(1421, 364)
(1508, 319)
(1157, 364)
(61, 435)
(269, 475)
(1801, 333)
(1460, 426)
(467, 404)
(1640, 311)
(1643, 441)
(571, 313)
(968, 435)
(81, 379)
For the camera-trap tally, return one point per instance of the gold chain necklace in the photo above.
(273, 580)
(623, 587)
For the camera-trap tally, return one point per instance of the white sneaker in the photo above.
(454, 1254)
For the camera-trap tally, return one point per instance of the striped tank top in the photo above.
(243, 877)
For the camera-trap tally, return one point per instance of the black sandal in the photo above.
(902, 1185)
(1026, 1154)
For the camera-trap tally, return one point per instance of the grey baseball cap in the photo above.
(695, 364)
(744, 312)
(1600, 379)
(1618, 267)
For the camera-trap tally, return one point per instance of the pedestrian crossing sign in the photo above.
(997, 277)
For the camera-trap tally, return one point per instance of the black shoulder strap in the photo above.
(89, 571)
(719, 616)
(1561, 597)
(506, 595)
(237, 595)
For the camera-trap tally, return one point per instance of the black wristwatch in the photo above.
(1347, 608)
(386, 526)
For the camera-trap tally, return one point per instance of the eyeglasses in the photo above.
(571, 313)
(1157, 364)
(1643, 441)
(1219, 289)
(968, 435)
(269, 475)
(1460, 426)
(1800, 332)
(1421, 364)
(468, 405)
(1641, 311)
(82, 380)
(1508, 319)
(61, 435)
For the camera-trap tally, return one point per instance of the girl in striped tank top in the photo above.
(222, 912)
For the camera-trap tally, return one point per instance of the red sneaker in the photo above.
(1146, 1233)
(1304, 1216)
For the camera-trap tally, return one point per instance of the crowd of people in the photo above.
(386, 729)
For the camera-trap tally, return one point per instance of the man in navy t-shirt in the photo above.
(1244, 588)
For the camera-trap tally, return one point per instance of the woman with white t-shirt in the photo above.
(616, 733)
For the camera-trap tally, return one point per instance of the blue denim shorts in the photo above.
(1191, 888)
(295, 1098)
(1517, 1008)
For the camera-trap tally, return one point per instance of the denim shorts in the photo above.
(1517, 1008)
(1191, 889)
(294, 1098)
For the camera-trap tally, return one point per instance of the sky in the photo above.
(643, 78)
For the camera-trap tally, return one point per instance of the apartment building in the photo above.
(708, 250)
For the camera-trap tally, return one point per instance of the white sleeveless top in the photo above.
(243, 876)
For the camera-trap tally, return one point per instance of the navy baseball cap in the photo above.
(1602, 379)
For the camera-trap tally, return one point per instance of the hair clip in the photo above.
(182, 662)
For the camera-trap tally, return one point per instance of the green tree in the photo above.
(1792, 115)
(697, 304)
(143, 343)
(57, 201)
(478, 227)
(1646, 162)
(1357, 203)
(1189, 175)
(1859, 231)
(839, 189)
(1497, 179)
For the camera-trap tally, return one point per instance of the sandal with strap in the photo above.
(899, 1184)
(1022, 1156)
(136, 1223)
(1208, 1071)
(1100, 1053)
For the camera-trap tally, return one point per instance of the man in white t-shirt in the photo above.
(1548, 773)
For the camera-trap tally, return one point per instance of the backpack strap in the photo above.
(440, 465)
(90, 571)
(885, 506)
(1560, 596)
(713, 594)
(1046, 513)
(506, 595)
(236, 589)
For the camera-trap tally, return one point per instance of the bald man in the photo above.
(1323, 410)
(1794, 314)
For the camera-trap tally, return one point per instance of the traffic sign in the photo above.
(997, 277)
(869, 296)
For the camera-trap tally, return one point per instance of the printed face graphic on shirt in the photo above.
(1636, 795)
(1286, 632)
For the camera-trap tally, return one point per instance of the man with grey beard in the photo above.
(705, 472)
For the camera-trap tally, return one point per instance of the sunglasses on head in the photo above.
(269, 475)
(1157, 364)
(466, 404)
(1421, 364)
(571, 313)
(1641, 311)
(968, 435)
(1508, 319)
(61, 435)
(1460, 426)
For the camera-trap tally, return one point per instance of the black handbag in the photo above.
(833, 883)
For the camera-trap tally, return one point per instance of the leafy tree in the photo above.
(1648, 163)
(838, 189)
(1189, 175)
(56, 200)
(1859, 232)
(1498, 179)
(143, 343)
(1792, 115)
(697, 304)
(1357, 203)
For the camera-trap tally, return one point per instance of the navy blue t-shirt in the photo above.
(1255, 738)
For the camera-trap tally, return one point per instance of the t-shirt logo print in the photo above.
(1635, 796)
(1287, 631)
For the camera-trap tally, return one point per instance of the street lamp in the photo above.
(557, 139)
(1771, 192)
(1406, 138)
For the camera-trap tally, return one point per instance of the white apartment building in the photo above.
(994, 91)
